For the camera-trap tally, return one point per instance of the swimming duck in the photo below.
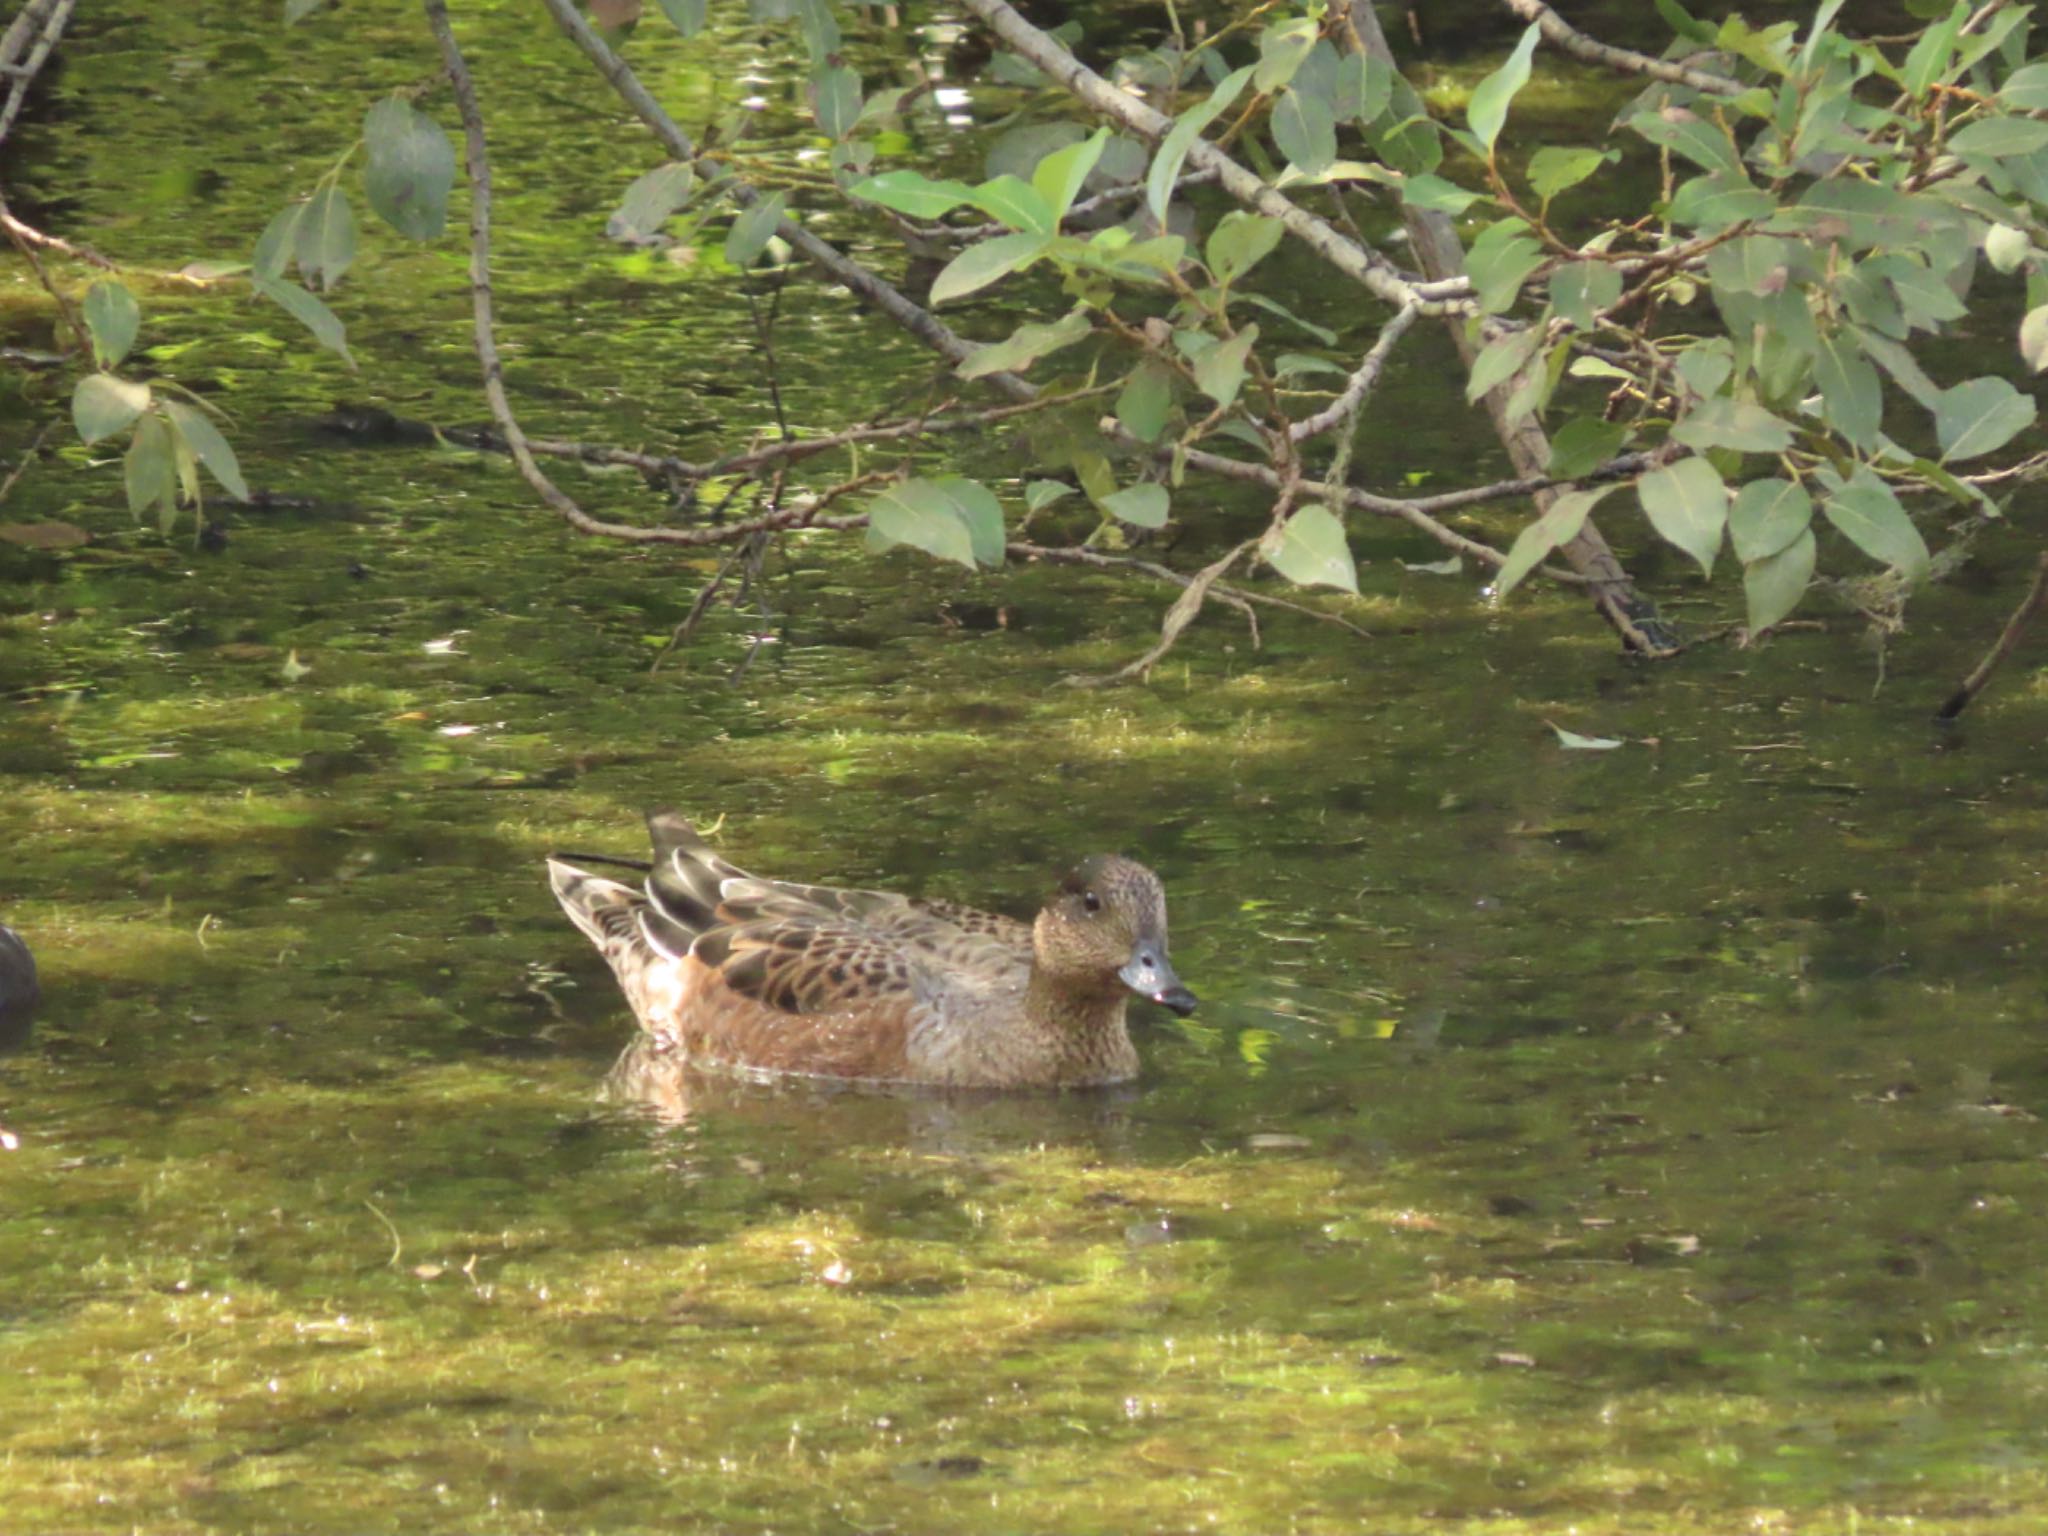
(772, 978)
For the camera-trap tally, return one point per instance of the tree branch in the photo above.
(1353, 260)
(23, 60)
(1361, 382)
(1562, 34)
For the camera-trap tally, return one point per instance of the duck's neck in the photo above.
(1083, 1028)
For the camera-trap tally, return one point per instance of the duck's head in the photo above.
(1106, 926)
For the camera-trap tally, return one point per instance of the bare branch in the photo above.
(1562, 34)
(22, 59)
(1360, 383)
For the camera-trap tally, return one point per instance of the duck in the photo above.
(769, 978)
(19, 991)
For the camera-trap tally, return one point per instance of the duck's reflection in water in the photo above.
(655, 1078)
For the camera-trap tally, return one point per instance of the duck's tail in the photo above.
(678, 902)
(604, 909)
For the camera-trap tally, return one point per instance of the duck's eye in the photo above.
(1092, 902)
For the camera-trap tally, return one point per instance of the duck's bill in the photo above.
(1149, 975)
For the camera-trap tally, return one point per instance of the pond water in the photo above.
(1639, 1141)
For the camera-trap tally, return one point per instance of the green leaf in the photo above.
(1932, 55)
(1025, 345)
(410, 169)
(1239, 242)
(1583, 444)
(907, 192)
(1142, 505)
(1994, 138)
(1282, 49)
(1979, 416)
(1687, 503)
(923, 515)
(1868, 514)
(2026, 89)
(1581, 289)
(112, 319)
(1013, 201)
(308, 311)
(1756, 265)
(688, 15)
(1682, 22)
(1850, 388)
(835, 99)
(1488, 110)
(149, 470)
(1018, 151)
(1310, 550)
(1767, 516)
(1686, 134)
(1705, 365)
(1173, 149)
(274, 246)
(1556, 168)
(1500, 260)
(979, 511)
(1293, 365)
(102, 405)
(1365, 84)
(1433, 194)
(752, 228)
(1146, 400)
(1305, 131)
(1774, 584)
(324, 243)
(1719, 422)
(296, 11)
(203, 438)
(1274, 307)
(979, 265)
(1039, 494)
(1219, 372)
(1061, 175)
(1559, 524)
(652, 200)
(1501, 360)
(1711, 204)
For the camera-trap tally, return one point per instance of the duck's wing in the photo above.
(811, 949)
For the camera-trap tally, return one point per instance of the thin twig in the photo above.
(28, 457)
(2008, 638)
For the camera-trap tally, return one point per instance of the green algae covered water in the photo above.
(1628, 1141)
